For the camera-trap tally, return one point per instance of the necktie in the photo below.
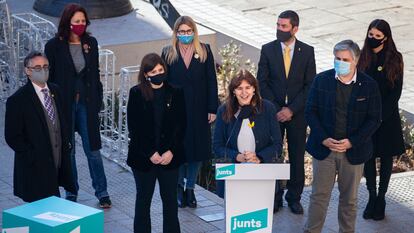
(48, 105)
(286, 60)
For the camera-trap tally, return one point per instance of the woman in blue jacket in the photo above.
(246, 130)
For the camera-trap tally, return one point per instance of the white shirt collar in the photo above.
(39, 89)
(291, 46)
(353, 80)
(39, 92)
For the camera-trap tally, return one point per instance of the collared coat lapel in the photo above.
(279, 62)
(86, 50)
(38, 106)
(295, 60)
(356, 89)
(181, 60)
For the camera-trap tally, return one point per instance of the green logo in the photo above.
(225, 171)
(249, 222)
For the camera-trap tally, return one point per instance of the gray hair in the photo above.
(349, 45)
(28, 59)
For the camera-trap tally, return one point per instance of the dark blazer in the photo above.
(62, 72)
(266, 132)
(140, 117)
(388, 139)
(26, 132)
(199, 83)
(272, 78)
(364, 116)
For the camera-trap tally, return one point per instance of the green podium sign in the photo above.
(53, 215)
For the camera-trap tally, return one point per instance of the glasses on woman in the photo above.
(185, 32)
(39, 68)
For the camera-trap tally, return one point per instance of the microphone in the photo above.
(228, 140)
(226, 159)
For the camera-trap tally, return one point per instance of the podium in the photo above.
(249, 194)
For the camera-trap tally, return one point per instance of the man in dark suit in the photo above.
(35, 130)
(286, 70)
(343, 111)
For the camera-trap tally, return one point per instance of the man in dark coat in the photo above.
(343, 111)
(286, 70)
(35, 130)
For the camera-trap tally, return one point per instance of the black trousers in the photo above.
(370, 171)
(145, 183)
(296, 140)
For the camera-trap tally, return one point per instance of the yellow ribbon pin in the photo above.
(251, 124)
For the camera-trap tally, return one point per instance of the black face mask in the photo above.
(374, 43)
(245, 111)
(283, 36)
(157, 79)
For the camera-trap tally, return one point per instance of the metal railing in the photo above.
(126, 80)
(29, 32)
(7, 60)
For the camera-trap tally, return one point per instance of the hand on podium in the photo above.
(247, 157)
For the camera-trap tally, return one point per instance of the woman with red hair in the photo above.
(74, 66)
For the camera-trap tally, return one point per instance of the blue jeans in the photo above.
(189, 171)
(95, 164)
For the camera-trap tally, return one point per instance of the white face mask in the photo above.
(40, 76)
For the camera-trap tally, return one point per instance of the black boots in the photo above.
(379, 209)
(181, 198)
(376, 206)
(191, 199)
(369, 210)
(186, 198)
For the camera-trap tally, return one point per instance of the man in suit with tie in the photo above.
(286, 70)
(35, 130)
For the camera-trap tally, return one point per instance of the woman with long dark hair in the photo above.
(191, 67)
(381, 60)
(246, 130)
(156, 124)
(74, 66)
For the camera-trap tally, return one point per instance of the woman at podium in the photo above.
(246, 130)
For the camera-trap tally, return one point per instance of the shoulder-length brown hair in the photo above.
(232, 104)
(393, 64)
(67, 14)
(200, 49)
(148, 63)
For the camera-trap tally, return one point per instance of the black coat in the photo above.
(63, 73)
(199, 83)
(388, 139)
(27, 133)
(140, 117)
(272, 78)
(266, 133)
